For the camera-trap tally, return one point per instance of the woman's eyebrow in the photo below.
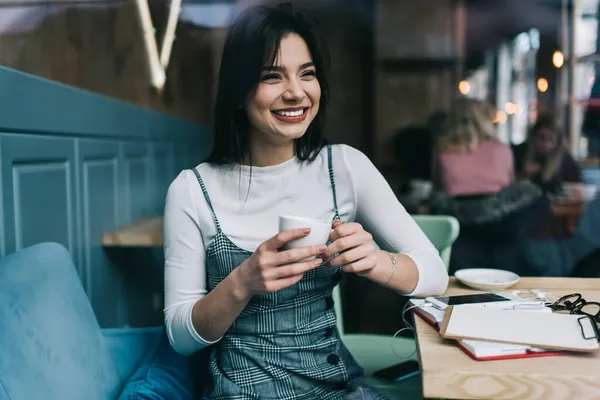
(282, 69)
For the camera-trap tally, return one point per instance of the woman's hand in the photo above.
(270, 270)
(531, 168)
(355, 246)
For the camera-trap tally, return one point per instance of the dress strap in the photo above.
(212, 210)
(332, 179)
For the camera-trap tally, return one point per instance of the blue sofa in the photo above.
(52, 347)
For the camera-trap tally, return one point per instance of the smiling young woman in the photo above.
(228, 281)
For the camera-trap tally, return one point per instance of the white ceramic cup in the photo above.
(319, 231)
(420, 189)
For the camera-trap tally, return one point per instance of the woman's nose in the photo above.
(294, 91)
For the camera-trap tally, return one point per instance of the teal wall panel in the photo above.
(163, 173)
(99, 205)
(63, 110)
(135, 158)
(74, 165)
(39, 189)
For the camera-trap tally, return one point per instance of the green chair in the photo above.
(442, 231)
(374, 352)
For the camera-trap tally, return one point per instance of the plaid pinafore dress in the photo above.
(284, 345)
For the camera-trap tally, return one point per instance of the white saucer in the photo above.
(487, 278)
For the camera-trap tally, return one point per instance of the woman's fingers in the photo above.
(290, 270)
(279, 240)
(361, 267)
(283, 283)
(352, 255)
(340, 230)
(300, 253)
(344, 243)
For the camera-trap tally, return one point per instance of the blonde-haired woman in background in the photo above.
(476, 184)
(470, 159)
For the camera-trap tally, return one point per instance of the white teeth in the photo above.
(290, 113)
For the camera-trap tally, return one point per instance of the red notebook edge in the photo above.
(426, 318)
(529, 354)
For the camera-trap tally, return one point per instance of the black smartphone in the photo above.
(399, 372)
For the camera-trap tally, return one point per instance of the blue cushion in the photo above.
(163, 374)
(50, 343)
(128, 347)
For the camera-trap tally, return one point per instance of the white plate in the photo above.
(487, 278)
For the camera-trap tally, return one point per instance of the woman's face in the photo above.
(545, 141)
(286, 99)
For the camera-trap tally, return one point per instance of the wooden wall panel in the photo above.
(418, 49)
(414, 29)
(405, 98)
(102, 50)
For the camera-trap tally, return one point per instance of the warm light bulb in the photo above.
(510, 108)
(542, 84)
(464, 87)
(499, 118)
(558, 59)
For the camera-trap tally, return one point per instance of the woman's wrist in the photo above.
(383, 269)
(396, 271)
(238, 286)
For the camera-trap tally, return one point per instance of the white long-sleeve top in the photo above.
(249, 218)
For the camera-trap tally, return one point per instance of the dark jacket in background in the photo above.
(569, 171)
(413, 148)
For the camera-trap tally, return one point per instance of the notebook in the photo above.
(488, 351)
(541, 330)
(483, 350)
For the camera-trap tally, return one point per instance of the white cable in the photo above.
(408, 327)
(537, 295)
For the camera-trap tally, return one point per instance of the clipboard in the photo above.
(555, 331)
(470, 347)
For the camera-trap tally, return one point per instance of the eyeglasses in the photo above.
(576, 304)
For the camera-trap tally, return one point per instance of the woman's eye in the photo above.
(309, 74)
(269, 77)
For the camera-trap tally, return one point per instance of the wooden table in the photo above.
(142, 233)
(449, 373)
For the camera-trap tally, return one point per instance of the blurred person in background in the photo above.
(414, 144)
(544, 158)
(475, 183)
(469, 158)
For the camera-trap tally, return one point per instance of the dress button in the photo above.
(329, 303)
(333, 359)
(336, 277)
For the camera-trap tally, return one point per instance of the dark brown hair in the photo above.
(252, 42)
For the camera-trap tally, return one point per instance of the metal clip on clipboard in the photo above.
(593, 332)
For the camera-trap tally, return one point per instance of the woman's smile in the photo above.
(291, 115)
(287, 97)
